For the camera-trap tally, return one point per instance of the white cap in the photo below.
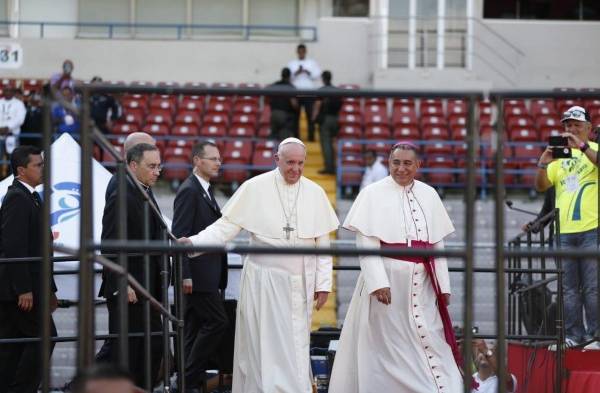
(291, 140)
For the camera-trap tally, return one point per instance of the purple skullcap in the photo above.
(409, 144)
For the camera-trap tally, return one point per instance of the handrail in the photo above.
(179, 27)
(115, 268)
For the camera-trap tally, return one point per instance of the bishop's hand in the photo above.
(321, 299)
(383, 295)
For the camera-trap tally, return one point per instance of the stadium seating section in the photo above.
(240, 127)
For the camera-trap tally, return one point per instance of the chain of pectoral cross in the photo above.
(288, 218)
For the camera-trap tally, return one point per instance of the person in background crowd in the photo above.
(325, 113)
(66, 117)
(305, 75)
(63, 79)
(485, 379)
(374, 170)
(34, 122)
(575, 180)
(283, 109)
(12, 116)
(104, 109)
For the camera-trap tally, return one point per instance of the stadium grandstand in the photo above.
(456, 78)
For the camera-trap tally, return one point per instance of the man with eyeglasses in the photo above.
(205, 276)
(575, 181)
(143, 160)
(397, 335)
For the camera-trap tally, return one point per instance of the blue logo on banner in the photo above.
(68, 195)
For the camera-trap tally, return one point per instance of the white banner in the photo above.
(66, 197)
(11, 55)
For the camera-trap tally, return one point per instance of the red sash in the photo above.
(429, 264)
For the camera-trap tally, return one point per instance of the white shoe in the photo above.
(569, 343)
(593, 346)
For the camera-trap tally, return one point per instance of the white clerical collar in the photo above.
(31, 189)
(279, 178)
(205, 184)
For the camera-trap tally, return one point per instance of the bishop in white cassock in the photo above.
(280, 208)
(397, 336)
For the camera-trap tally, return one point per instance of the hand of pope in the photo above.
(184, 241)
(383, 295)
(321, 299)
(131, 296)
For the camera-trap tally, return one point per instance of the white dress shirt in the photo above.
(12, 114)
(374, 173)
(302, 80)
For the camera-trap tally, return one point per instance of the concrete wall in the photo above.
(342, 47)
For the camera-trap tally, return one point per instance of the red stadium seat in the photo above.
(134, 101)
(485, 113)
(548, 121)
(351, 147)
(458, 132)
(457, 120)
(379, 131)
(350, 131)
(192, 103)
(403, 102)
(431, 132)
(380, 101)
(124, 128)
(527, 152)
(213, 130)
(7, 82)
(182, 143)
(239, 149)
(264, 131)
(156, 129)
(380, 148)
(431, 106)
(265, 116)
(31, 86)
(184, 130)
(165, 102)
(217, 119)
(107, 158)
(404, 119)
(433, 121)
(350, 107)
(523, 134)
(177, 152)
(246, 108)
(406, 132)
(548, 131)
(457, 107)
(219, 107)
(375, 110)
(133, 117)
(542, 107)
(349, 119)
(376, 119)
(159, 117)
(437, 148)
(263, 158)
(187, 118)
(234, 174)
(265, 145)
(242, 130)
(563, 105)
(246, 119)
(353, 160)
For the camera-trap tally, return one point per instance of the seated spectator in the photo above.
(374, 170)
(12, 115)
(34, 122)
(63, 79)
(485, 379)
(283, 109)
(65, 117)
(104, 378)
(325, 114)
(104, 109)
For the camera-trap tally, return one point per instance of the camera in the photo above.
(560, 147)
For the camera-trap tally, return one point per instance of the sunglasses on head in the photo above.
(405, 146)
(575, 113)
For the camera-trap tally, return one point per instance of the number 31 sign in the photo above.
(11, 55)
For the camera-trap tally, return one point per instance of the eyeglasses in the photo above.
(213, 159)
(405, 145)
(155, 167)
(575, 114)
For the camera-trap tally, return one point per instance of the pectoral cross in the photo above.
(287, 229)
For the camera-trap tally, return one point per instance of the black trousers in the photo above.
(306, 103)
(205, 323)
(136, 344)
(21, 364)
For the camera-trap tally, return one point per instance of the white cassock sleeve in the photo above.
(219, 232)
(441, 269)
(372, 265)
(324, 267)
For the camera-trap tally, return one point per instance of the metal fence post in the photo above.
(179, 313)
(165, 300)
(148, 381)
(122, 298)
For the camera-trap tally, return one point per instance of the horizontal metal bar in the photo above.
(270, 91)
(66, 258)
(66, 339)
(507, 94)
(116, 245)
(520, 337)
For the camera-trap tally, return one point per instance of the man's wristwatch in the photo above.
(584, 146)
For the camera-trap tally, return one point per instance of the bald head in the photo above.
(136, 138)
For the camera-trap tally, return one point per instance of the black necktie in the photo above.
(36, 198)
(212, 197)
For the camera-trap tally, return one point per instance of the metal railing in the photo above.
(176, 31)
(122, 246)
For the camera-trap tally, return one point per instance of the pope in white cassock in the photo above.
(280, 208)
(397, 336)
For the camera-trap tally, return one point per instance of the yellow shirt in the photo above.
(575, 180)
